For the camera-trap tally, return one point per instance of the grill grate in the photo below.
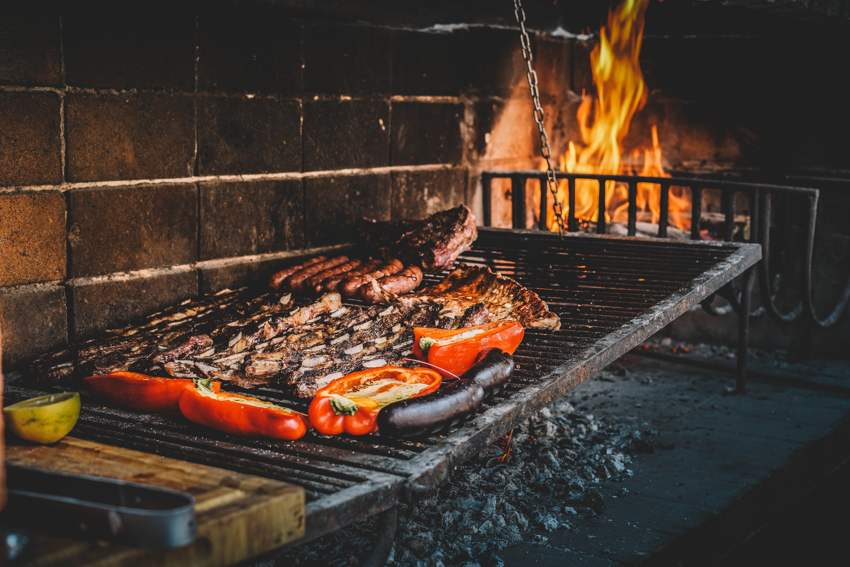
(610, 293)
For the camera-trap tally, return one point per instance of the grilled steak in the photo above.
(441, 238)
(433, 243)
(468, 290)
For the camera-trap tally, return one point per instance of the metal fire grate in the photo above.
(611, 294)
(794, 201)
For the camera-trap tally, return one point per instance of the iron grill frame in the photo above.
(620, 307)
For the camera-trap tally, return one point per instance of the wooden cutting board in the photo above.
(239, 516)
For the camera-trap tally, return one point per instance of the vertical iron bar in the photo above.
(487, 198)
(518, 201)
(572, 223)
(600, 222)
(755, 215)
(632, 208)
(727, 199)
(806, 345)
(544, 205)
(386, 530)
(664, 206)
(744, 331)
(788, 238)
(696, 210)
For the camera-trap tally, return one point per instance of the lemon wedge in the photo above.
(45, 419)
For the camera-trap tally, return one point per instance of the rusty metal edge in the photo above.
(553, 236)
(365, 499)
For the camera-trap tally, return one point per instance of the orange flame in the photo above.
(604, 122)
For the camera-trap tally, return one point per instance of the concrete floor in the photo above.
(722, 467)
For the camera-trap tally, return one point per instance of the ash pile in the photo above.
(557, 462)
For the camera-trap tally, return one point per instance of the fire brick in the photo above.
(494, 61)
(346, 59)
(251, 217)
(29, 139)
(582, 76)
(104, 304)
(333, 205)
(417, 194)
(249, 53)
(429, 64)
(33, 319)
(29, 50)
(425, 132)
(32, 237)
(129, 136)
(342, 134)
(248, 136)
(553, 63)
(121, 229)
(138, 51)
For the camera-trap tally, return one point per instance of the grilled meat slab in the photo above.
(308, 346)
(408, 247)
(433, 243)
(270, 339)
(470, 291)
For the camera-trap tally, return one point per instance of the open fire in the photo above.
(603, 120)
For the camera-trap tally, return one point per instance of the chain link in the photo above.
(545, 150)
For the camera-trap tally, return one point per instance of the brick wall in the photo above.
(144, 159)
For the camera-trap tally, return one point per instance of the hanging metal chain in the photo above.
(545, 150)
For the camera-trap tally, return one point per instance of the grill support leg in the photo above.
(744, 331)
(387, 528)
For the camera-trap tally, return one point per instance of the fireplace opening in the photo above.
(607, 136)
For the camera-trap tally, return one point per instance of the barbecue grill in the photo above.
(611, 294)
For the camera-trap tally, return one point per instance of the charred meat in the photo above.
(433, 243)
(480, 294)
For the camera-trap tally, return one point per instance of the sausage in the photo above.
(429, 414)
(406, 280)
(350, 286)
(492, 370)
(454, 400)
(331, 284)
(296, 282)
(314, 281)
(278, 277)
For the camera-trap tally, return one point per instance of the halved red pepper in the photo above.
(351, 404)
(456, 350)
(240, 415)
(141, 392)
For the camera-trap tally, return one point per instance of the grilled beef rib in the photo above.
(433, 243)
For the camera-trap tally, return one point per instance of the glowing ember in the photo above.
(604, 122)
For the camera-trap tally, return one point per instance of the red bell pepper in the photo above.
(139, 391)
(351, 404)
(456, 350)
(240, 415)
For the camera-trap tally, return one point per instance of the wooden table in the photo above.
(238, 516)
